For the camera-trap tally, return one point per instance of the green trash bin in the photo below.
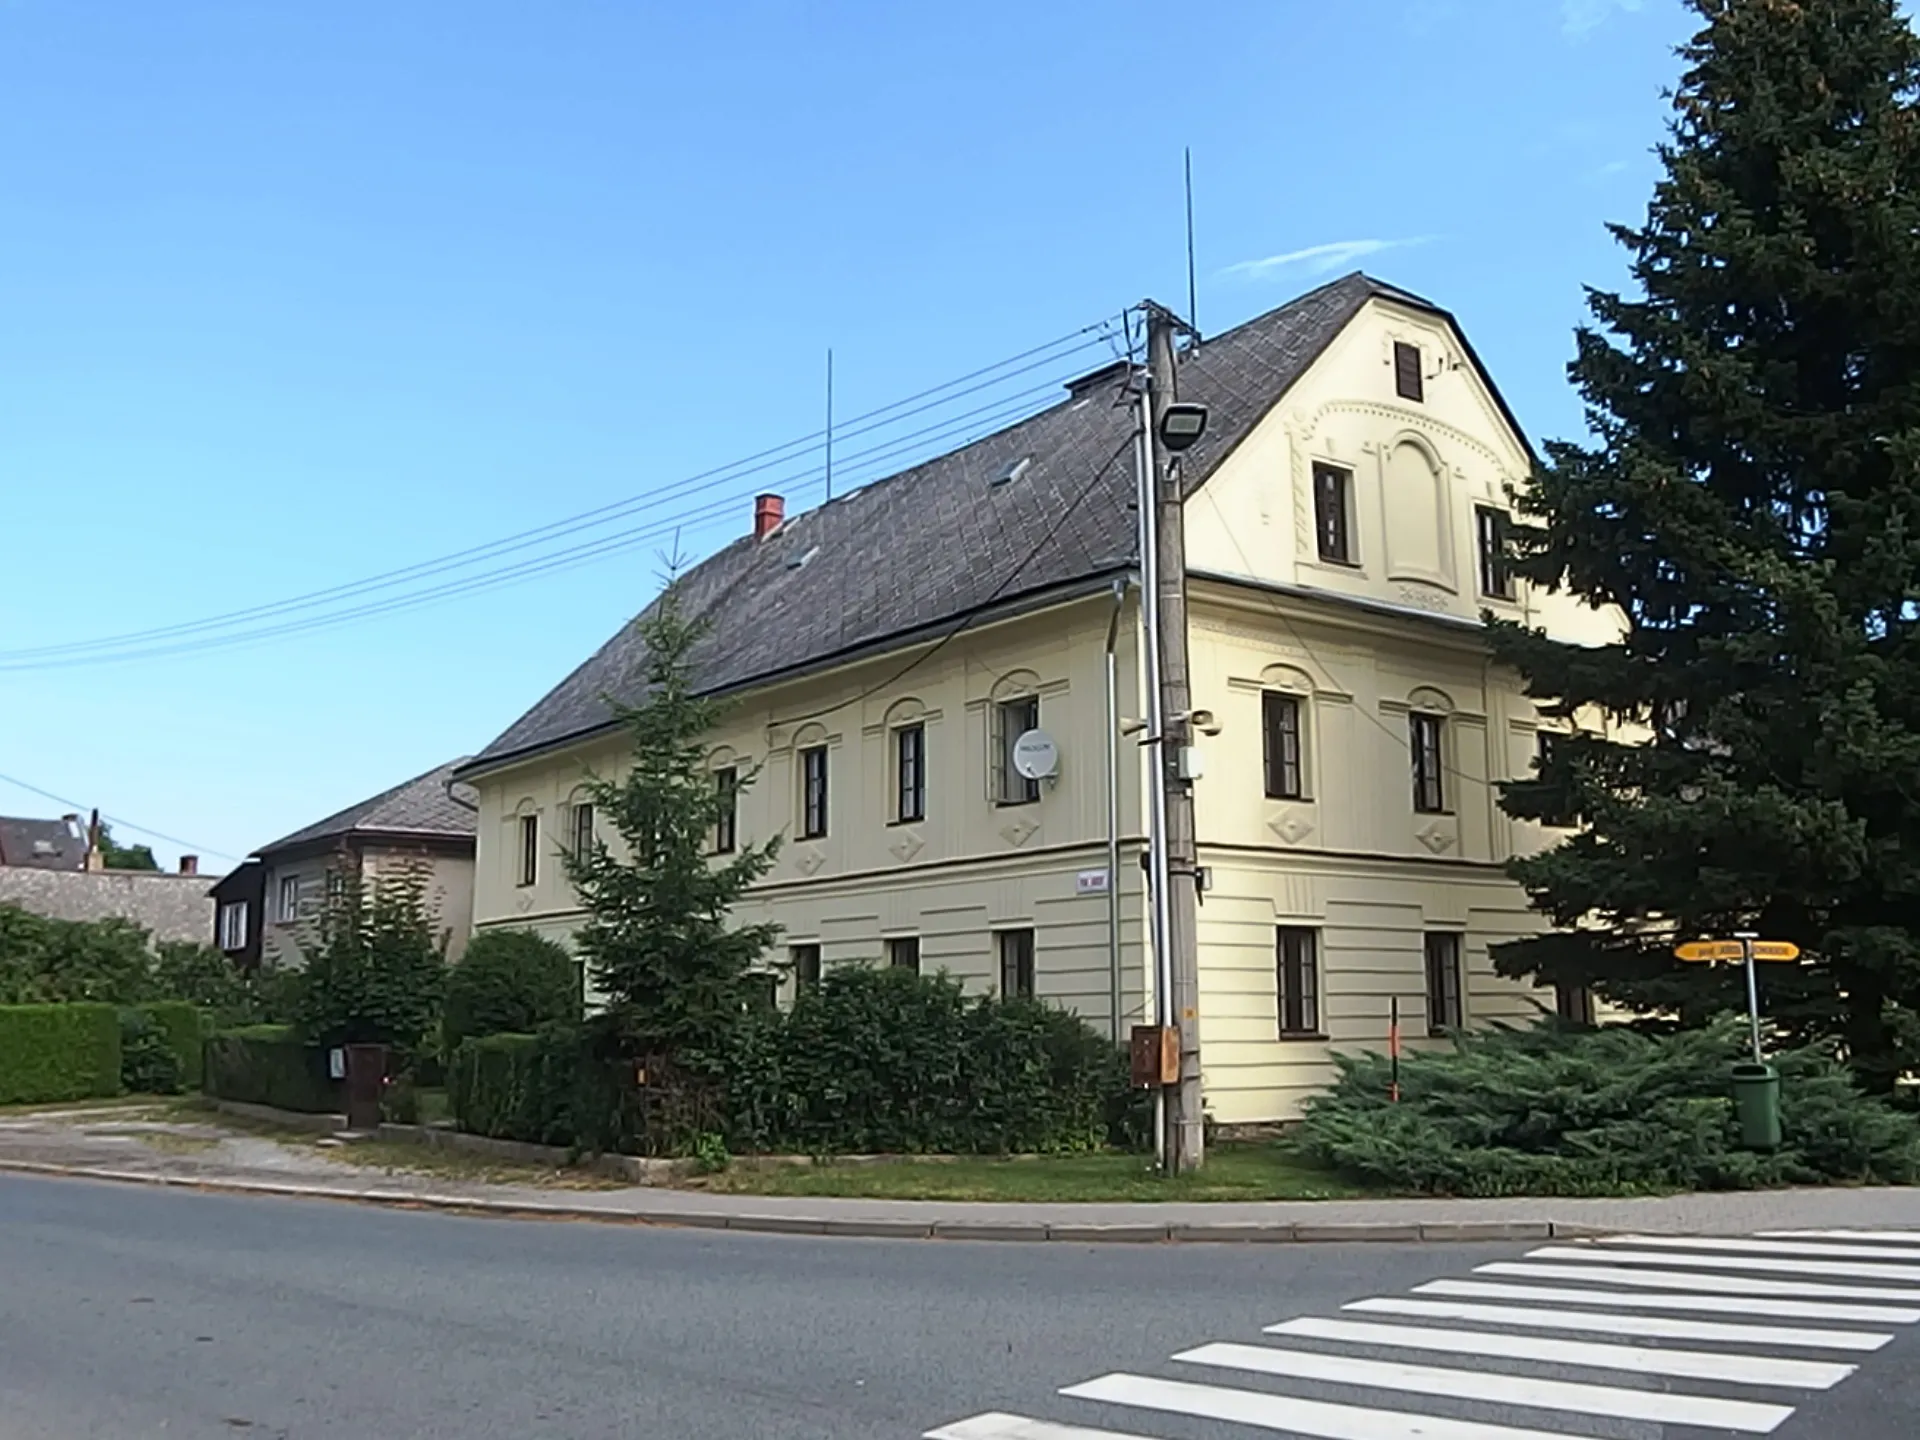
(1756, 1101)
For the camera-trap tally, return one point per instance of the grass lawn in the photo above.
(1252, 1170)
(101, 1102)
(407, 1157)
(434, 1106)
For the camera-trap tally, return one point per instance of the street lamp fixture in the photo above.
(1181, 424)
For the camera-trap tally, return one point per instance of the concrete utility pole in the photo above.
(1185, 1138)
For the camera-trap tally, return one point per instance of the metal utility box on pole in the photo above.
(1185, 1134)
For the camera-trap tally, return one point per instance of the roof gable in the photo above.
(939, 542)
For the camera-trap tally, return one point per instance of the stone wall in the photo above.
(172, 907)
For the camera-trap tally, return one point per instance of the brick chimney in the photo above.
(189, 864)
(768, 512)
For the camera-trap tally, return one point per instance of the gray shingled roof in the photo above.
(429, 804)
(42, 844)
(937, 542)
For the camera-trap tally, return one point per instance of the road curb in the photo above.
(1018, 1231)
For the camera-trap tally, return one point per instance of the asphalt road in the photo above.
(132, 1312)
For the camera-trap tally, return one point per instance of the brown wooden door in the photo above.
(366, 1079)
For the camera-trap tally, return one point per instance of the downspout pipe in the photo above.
(1113, 809)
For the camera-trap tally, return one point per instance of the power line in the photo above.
(986, 377)
(976, 610)
(1319, 664)
(183, 642)
(76, 807)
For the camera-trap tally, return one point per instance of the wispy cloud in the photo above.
(1580, 18)
(1320, 259)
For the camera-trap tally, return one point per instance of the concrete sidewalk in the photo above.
(129, 1149)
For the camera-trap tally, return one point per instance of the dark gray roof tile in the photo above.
(430, 804)
(940, 541)
(43, 844)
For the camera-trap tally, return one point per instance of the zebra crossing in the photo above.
(1631, 1328)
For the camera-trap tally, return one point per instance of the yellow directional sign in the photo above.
(1731, 950)
(1710, 950)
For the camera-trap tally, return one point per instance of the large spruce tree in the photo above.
(1750, 502)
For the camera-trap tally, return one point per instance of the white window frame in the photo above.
(233, 918)
(287, 902)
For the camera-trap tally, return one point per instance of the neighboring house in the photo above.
(49, 868)
(43, 844)
(886, 650)
(272, 910)
(238, 913)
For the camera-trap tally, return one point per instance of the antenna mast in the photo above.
(1193, 301)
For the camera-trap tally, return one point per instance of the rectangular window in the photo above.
(813, 792)
(1016, 964)
(1013, 719)
(1332, 488)
(806, 966)
(1496, 577)
(1558, 818)
(1573, 1004)
(1407, 382)
(233, 925)
(1280, 728)
(726, 824)
(289, 910)
(910, 772)
(529, 849)
(903, 953)
(1443, 982)
(583, 828)
(1297, 966)
(1429, 795)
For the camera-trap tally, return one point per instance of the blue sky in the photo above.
(292, 295)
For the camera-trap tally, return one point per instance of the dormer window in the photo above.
(1407, 382)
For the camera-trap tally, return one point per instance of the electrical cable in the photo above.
(976, 610)
(1084, 338)
(1325, 669)
(983, 419)
(78, 808)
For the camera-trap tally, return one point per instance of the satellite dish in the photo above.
(1035, 755)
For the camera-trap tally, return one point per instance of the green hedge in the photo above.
(269, 1065)
(873, 1061)
(517, 1087)
(1544, 1111)
(887, 1061)
(181, 1024)
(58, 1052)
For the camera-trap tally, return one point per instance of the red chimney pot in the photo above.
(768, 512)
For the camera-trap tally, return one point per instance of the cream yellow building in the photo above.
(885, 650)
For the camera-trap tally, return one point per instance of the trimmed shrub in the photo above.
(509, 982)
(148, 1064)
(887, 1061)
(184, 1030)
(58, 1052)
(271, 1065)
(518, 1087)
(1544, 1111)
